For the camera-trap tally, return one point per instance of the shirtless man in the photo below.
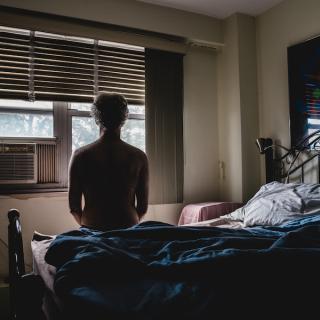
(111, 174)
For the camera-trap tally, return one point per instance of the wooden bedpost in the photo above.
(26, 290)
(16, 259)
(269, 160)
(265, 146)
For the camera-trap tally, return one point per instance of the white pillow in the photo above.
(277, 202)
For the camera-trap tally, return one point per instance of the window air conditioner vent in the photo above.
(18, 163)
(47, 163)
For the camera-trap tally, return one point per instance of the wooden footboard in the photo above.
(26, 290)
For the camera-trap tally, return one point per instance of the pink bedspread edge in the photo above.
(206, 211)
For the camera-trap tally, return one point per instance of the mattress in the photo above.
(51, 306)
(39, 246)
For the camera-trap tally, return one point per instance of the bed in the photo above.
(249, 263)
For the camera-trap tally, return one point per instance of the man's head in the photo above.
(110, 110)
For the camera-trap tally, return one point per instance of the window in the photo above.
(26, 119)
(47, 85)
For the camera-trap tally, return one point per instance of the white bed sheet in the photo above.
(51, 305)
(217, 222)
(40, 266)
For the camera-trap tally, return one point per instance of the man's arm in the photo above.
(75, 188)
(142, 190)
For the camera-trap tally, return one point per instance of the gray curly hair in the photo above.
(110, 110)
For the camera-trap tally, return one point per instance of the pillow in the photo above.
(277, 202)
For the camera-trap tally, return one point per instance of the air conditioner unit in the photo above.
(18, 163)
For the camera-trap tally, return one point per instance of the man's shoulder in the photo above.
(80, 152)
(134, 151)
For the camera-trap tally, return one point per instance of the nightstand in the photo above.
(205, 211)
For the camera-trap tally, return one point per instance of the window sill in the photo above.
(33, 193)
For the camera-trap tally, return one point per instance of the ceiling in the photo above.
(218, 8)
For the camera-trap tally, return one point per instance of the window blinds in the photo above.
(14, 64)
(42, 66)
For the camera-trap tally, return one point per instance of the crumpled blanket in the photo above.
(158, 271)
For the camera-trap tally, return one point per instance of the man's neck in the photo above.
(111, 135)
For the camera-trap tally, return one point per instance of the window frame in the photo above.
(62, 114)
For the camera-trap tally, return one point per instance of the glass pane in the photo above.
(84, 131)
(136, 109)
(314, 121)
(133, 132)
(26, 125)
(41, 105)
(313, 126)
(80, 106)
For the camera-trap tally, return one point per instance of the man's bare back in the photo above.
(113, 178)
(110, 174)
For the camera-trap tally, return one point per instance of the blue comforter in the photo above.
(156, 270)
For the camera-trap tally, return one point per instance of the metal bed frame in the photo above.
(281, 163)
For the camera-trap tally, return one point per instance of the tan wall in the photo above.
(289, 23)
(238, 110)
(130, 13)
(201, 177)
(249, 105)
(229, 113)
(48, 214)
